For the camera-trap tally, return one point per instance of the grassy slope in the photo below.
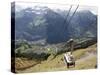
(85, 59)
(24, 63)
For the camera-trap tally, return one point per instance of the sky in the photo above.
(23, 5)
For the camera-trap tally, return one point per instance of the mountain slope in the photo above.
(44, 23)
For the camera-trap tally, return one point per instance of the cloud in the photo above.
(24, 5)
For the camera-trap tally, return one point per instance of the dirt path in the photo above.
(86, 57)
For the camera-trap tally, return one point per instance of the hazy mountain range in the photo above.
(53, 26)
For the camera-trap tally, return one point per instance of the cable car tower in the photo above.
(71, 40)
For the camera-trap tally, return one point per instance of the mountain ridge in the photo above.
(50, 25)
